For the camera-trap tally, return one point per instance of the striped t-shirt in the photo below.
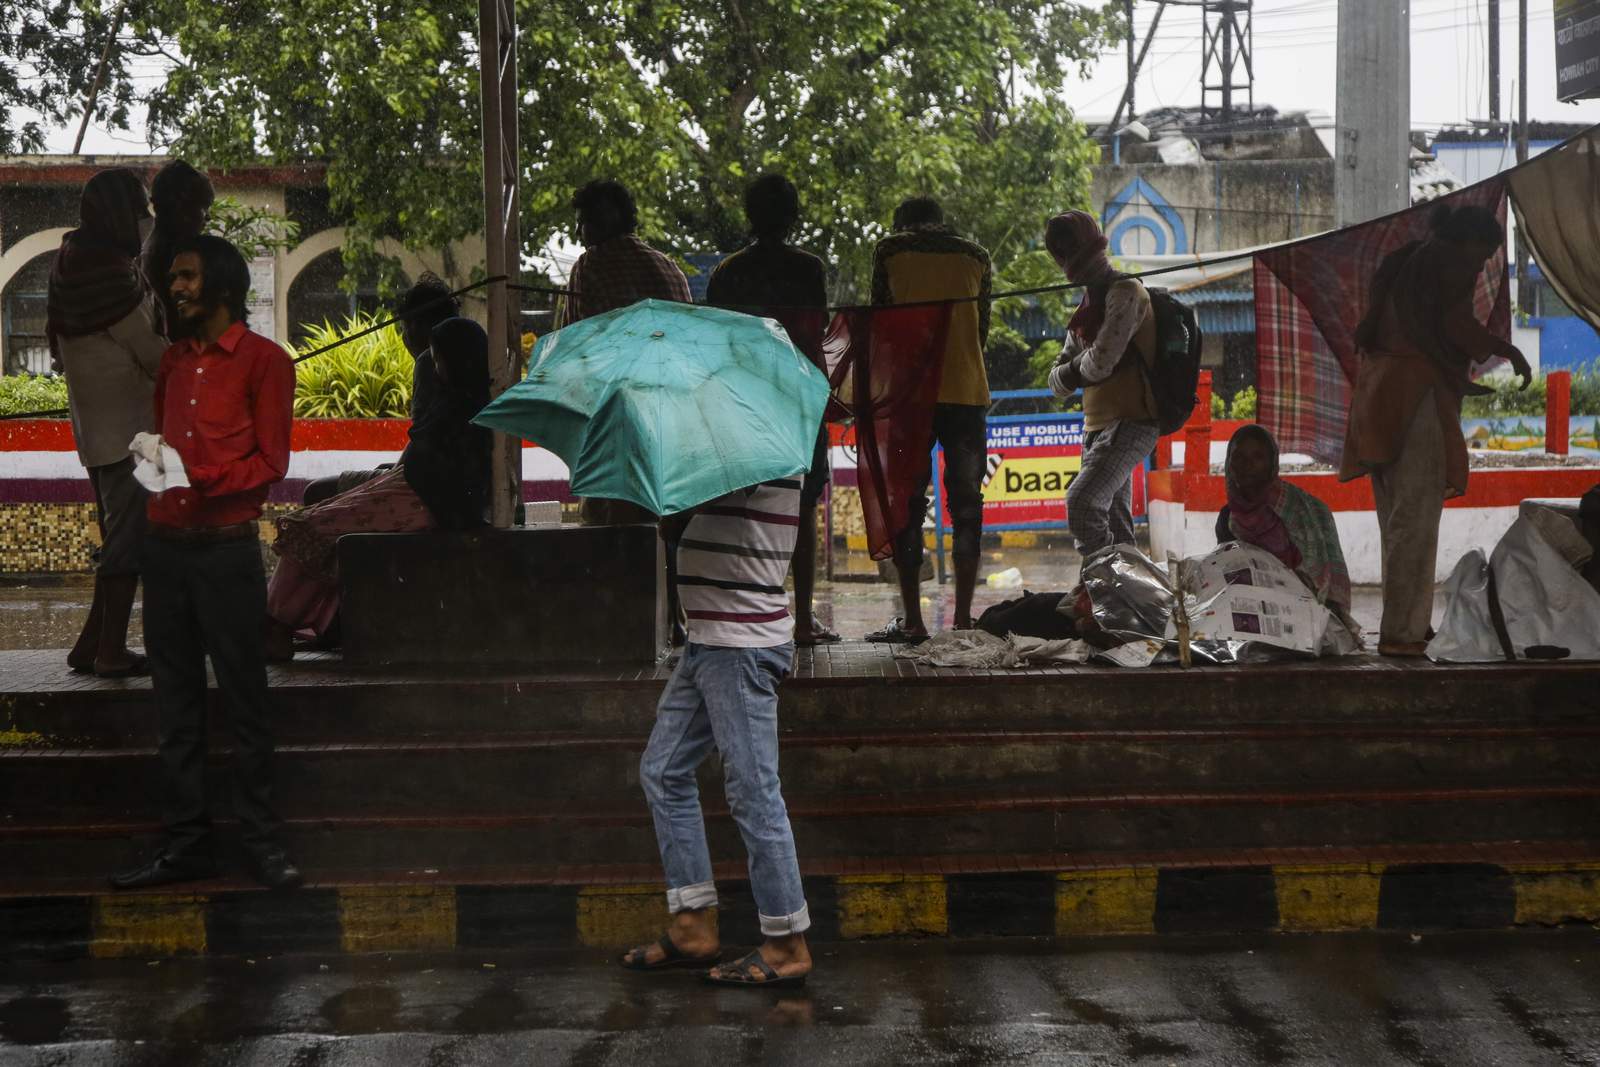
(732, 560)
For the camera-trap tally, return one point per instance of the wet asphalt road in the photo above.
(1369, 999)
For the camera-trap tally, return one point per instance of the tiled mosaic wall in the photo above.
(62, 538)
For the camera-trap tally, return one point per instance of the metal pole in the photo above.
(1133, 63)
(1522, 134)
(1494, 60)
(497, 54)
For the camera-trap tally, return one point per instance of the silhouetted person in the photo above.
(182, 198)
(103, 326)
(772, 278)
(1418, 343)
(616, 269)
(924, 259)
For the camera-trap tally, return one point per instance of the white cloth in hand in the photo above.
(158, 466)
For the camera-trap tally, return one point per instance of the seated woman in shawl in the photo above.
(1418, 343)
(440, 483)
(1265, 511)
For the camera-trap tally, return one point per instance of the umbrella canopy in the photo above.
(666, 404)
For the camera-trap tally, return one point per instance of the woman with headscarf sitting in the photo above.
(440, 483)
(104, 327)
(1265, 511)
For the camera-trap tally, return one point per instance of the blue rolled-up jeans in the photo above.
(725, 698)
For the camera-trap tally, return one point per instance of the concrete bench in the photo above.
(546, 596)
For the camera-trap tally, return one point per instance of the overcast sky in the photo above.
(1294, 63)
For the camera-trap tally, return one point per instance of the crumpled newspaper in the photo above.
(158, 467)
(975, 648)
(1239, 605)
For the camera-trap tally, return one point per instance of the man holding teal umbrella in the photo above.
(707, 418)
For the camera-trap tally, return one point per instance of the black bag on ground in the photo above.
(1030, 615)
(1174, 374)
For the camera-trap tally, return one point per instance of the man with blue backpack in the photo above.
(1135, 353)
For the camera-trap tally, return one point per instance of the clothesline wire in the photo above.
(1197, 262)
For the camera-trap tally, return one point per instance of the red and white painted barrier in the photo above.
(1184, 500)
(39, 463)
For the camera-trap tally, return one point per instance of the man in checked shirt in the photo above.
(224, 400)
(616, 269)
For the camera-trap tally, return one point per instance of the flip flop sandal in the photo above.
(895, 634)
(672, 958)
(738, 974)
(820, 635)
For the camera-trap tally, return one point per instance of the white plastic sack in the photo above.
(1544, 601)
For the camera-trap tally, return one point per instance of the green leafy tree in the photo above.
(49, 52)
(861, 103)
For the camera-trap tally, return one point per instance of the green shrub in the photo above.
(1507, 400)
(368, 378)
(20, 393)
(1241, 406)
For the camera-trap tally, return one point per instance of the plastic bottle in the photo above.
(1010, 578)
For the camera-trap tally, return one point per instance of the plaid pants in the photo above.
(1100, 498)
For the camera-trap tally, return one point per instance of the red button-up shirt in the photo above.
(228, 408)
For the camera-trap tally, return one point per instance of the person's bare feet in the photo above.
(788, 956)
(693, 933)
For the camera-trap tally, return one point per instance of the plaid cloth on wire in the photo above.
(1311, 296)
(620, 272)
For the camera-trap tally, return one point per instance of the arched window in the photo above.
(22, 318)
(316, 295)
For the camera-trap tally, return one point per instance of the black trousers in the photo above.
(202, 599)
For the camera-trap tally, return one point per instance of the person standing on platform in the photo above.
(1418, 343)
(103, 325)
(723, 694)
(772, 278)
(1111, 330)
(616, 269)
(224, 401)
(924, 259)
(182, 198)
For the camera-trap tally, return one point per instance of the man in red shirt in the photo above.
(224, 400)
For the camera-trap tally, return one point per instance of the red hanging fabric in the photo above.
(884, 365)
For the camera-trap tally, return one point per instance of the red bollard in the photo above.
(1557, 411)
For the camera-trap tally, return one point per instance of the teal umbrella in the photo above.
(666, 404)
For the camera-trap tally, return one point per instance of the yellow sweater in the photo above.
(932, 263)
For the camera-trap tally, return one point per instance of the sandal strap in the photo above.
(740, 969)
(669, 951)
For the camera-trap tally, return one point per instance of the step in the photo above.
(885, 825)
(323, 701)
(507, 773)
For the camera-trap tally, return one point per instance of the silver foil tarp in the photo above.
(1242, 605)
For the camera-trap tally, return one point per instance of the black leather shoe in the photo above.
(162, 869)
(274, 869)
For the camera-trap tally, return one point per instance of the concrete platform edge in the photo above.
(423, 916)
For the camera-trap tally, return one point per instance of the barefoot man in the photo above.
(733, 553)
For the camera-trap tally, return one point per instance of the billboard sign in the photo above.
(1577, 25)
(1032, 461)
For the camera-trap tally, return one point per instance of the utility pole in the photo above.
(1133, 63)
(1522, 133)
(1372, 171)
(1227, 70)
(1494, 60)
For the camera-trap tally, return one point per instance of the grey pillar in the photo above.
(1373, 157)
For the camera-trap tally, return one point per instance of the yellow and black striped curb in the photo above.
(1131, 900)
